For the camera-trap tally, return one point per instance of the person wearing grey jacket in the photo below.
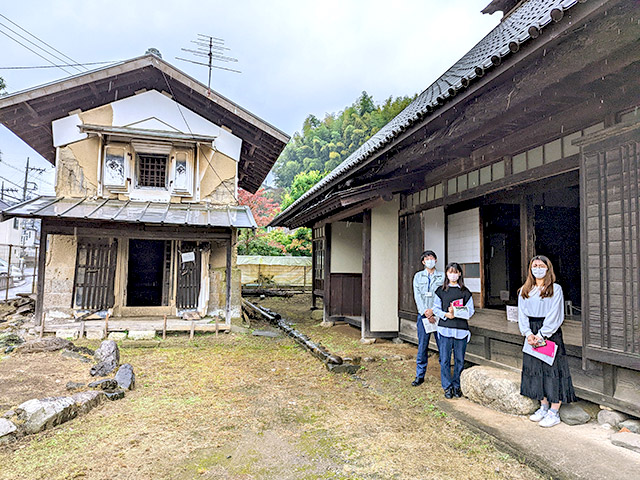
(425, 283)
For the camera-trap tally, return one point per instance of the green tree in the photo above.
(301, 183)
(3, 86)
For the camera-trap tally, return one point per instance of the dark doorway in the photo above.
(501, 232)
(146, 273)
(557, 235)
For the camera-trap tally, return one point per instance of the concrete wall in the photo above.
(384, 267)
(346, 247)
(218, 284)
(58, 279)
(434, 233)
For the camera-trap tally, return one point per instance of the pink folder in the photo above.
(549, 349)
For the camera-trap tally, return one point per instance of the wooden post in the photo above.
(193, 328)
(81, 329)
(366, 273)
(33, 279)
(39, 318)
(6, 297)
(304, 286)
(106, 326)
(164, 328)
(326, 298)
(228, 293)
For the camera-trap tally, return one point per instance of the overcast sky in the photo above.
(296, 56)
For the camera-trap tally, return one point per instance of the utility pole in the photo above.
(26, 180)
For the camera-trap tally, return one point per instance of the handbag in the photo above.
(546, 353)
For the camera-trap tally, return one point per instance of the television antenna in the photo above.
(211, 48)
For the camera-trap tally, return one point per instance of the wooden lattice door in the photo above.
(95, 273)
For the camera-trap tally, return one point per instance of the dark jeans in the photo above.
(459, 347)
(423, 345)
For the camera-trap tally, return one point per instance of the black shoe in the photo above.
(457, 392)
(448, 393)
(417, 381)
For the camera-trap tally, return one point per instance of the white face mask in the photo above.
(429, 263)
(453, 277)
(539, 272)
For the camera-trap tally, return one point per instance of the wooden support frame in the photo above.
(326, 299)
(42, 255)
(227, 307)
(366, 274)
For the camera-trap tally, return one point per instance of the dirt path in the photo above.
(245, 407)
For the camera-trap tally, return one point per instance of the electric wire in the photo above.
(32, 67)
(33, 51)
(45, 43)
(166, 81)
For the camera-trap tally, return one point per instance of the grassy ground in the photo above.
(239, 406)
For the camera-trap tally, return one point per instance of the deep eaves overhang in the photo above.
(475, 71)
(29, 113)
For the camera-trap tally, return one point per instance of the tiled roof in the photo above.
(522, 24)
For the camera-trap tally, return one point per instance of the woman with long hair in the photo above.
(540, 315)
(453, 305)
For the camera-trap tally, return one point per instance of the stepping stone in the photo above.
(265, 333)
(142, 334)
(626, 440)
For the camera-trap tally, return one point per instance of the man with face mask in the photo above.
(425, 283)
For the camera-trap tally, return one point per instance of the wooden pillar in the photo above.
(527, 233)
(366, 272)
(42, 255)
(326, 299)
(228, 293)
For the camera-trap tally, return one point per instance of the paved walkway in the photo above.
(563, 451)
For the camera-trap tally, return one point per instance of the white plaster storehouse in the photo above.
(145, 215)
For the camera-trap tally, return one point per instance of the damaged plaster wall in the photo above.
(218, 187)
(58, 280)
(218, 284)
(76, 169)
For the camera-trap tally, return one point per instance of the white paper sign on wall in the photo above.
(188, 257)
(512, 313)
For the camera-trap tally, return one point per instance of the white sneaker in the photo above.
(550, 419)
(539, 414)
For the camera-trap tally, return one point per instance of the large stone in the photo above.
(88, 400)
(10, 339)
(107, 384)
(75, 356)
(343, 368)
(46, 344)
(95, 334)
(142, 334)
(117, 336)
(611, 418)
(573, 414)
(317, 314)
(108, 350)
(7, 430)
(627, 440)
(36, 415)
(102, 369)
(125, 377)
(75, 386)
(67, 333)
(632, 425)
(117, 395)
(496, 388)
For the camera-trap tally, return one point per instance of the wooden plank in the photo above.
(366, 273)
(229, 280)
(327, 271)
(42, 252)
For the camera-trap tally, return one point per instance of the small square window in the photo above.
(485, 175)
(474, 179)
(534, 157)
(462, 183)
(519, 163)
(497, 170)
(431, 194)
(568, 148)
(451, 186)
(438, 191)
(423, 196)
(152, 170)
(553, 151)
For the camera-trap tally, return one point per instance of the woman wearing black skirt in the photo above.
(540, 315)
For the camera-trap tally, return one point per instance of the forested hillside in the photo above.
(324, 144)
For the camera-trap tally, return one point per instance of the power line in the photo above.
(42, 41)
(33, 51)
(29, 67)
(40, 171)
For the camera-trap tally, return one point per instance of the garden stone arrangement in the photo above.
(36, 415)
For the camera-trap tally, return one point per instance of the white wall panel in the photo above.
(346, 247)
(433, 221)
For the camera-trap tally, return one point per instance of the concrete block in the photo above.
(117, 336)
(68, 334)
(142, 334)
(626, 440)
(95, 334)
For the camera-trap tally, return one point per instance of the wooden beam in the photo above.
(42, 255)
(326, 300)
(366, 273)
(228, 289)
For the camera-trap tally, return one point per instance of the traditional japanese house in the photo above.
(528, 144)
(148, 163)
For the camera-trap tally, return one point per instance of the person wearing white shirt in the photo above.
(425, 283)
(453, 306)
(540, 315)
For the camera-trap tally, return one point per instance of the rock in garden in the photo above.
(88, 400)
(76, 356)
(46, 344)
(84, 351)
(104, 368)
(142, 334)
(36, 415)
(108, 350)
(496, 388)
(627, 440)
(317, 314)
(611, 418)
(117, 395)
(68, 333)
(573, 414)
(74, 386)
(107, 384)
(10, 339)
(632, 425)
(125, 377)
(334, 359)
(343, 368)
(7, 430)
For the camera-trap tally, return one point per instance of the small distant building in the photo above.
(145, 214)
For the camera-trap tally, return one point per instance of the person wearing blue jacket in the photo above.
(425, 283)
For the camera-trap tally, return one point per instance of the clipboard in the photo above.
(546, 353)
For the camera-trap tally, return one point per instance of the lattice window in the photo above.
(152, 170)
